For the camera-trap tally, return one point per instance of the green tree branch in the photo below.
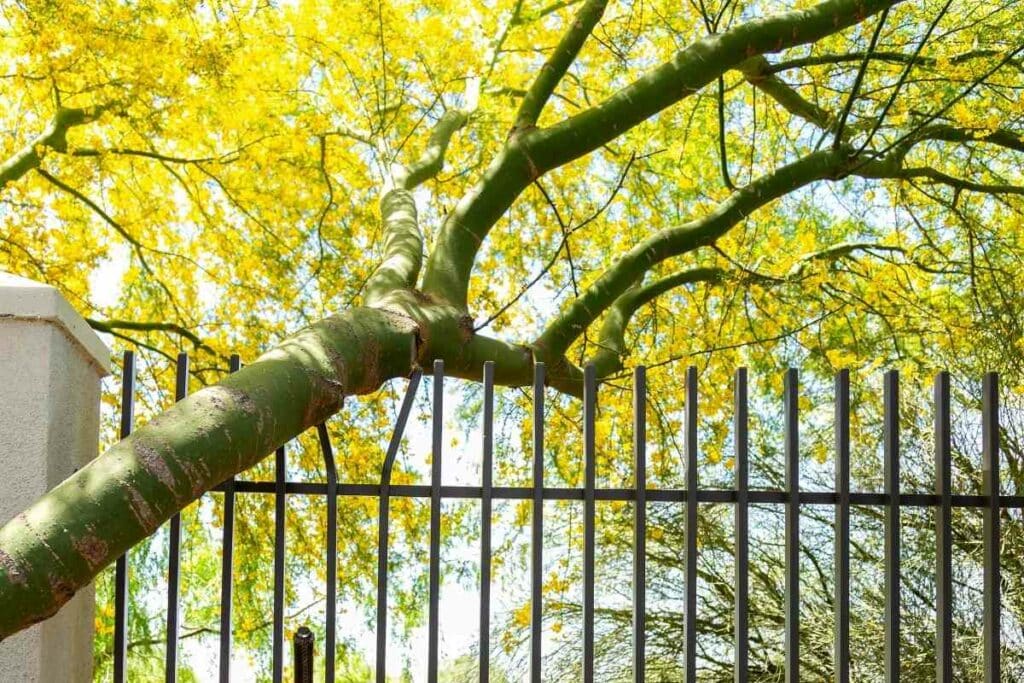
(530, 155)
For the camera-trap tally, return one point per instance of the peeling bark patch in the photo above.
(466, 329)
(41, 538)
(328, 394)
(92, 549)
(401, 320)
(198, 474)
(140, 509)
(371, 368)
(13, 570)
(224, 398)
(62, 592)
(154, 463)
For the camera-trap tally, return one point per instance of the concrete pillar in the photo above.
(51, 363)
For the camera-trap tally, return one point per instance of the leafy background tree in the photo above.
(660, 182)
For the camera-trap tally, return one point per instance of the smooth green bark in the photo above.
(611, 339)
(555, 67)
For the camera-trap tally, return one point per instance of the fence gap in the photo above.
(486, 493)
(435, 520)
(280, 477)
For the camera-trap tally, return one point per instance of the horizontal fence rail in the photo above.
(891, 501)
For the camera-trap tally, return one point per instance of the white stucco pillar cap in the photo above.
(24, 299)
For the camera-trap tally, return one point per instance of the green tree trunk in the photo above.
(58, 545)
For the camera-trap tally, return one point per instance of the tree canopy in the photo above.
(352, 189)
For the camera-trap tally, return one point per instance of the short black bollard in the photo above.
(303, 643)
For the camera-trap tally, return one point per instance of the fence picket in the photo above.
(280, 508)
(640, 524)
(487, 473)
(690, 605)
(437, 422)
(331, 551)
(990, 470)
(792, 581)
(842, 533)
(741, 527)
(944, 533)
(383, 524)
(891, 445)
(589, 510)
(537, 527)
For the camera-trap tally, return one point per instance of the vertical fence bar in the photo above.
(537, 530)
(174, 551)
(792, 591)
(842, 533)
(383, 524)
(437, 421)
(943, 533)
(640, 524)
(892, 525)
(121, 567)
(589, 513)
(690, 614)
(990, 485)
(741, 528)
(280, 474)
(383, 521)
(891, 448)
(486, 495)
(332, 551)
(227, 562)
(302, 655)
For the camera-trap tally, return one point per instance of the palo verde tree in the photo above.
(568, 183)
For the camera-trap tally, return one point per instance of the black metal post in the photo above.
(792, 591)
(742, 528)
(537, 528)
(487, 490)
(842, 533)
(640, 524)
(302, 644)
(589, 510)
(690, 605)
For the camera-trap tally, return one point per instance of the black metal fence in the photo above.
(891, 500)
